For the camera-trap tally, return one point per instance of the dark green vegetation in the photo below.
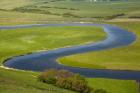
(36, 11)
(65, 79)
(124, 58)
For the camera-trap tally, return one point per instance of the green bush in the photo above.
(65, 79)
(48, 77)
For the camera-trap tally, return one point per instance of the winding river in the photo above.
(116, 37)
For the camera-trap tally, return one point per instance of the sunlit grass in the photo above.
(125, 58)
(26, 40)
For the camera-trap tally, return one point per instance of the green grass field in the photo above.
(124, 58)
(27, 40)
(114, 86)
(22, 41)
(36, 11)
(26, 82)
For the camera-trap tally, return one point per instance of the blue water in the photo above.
(116, 37)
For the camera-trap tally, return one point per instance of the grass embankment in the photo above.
(124, 58)
(26, 82)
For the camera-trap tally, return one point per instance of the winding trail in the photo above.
(117, 37)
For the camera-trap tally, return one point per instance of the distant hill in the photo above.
(68, 9)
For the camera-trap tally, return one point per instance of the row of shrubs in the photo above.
(65, 79)
(59, 8)
(115, 16)
(39, 11)
(67, 14)
(22, 9)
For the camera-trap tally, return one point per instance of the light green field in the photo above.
(36, 11)
(26, 82)
(114, 86)
(11, 4)
(124, 58)
(21, 41)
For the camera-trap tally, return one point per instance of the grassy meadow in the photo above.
(124, 58)
(12, 81)
(38, 11)
(33, 39)
(19, 41)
